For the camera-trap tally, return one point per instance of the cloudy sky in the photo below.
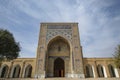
(99, 22)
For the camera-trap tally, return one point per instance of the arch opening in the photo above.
(16, 72)
(28, 71)
(59, 68)
(4, 71)
(58, 48)
(111, 70)
(89, 71)
(100, 71)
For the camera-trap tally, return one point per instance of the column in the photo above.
(95, 70)
(105, 74)
(67, 67)
(119, 71)
(116, 72)
(10, 71)
(23, 70)
(107, 70)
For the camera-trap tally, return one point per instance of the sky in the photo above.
(99, 23)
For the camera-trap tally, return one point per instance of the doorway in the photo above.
(59, 69)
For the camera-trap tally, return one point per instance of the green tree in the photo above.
(117, 57)
(9, 48)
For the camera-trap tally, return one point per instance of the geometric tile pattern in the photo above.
(63, 32)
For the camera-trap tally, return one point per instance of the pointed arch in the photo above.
(59, 46)
(59, 37)
(111, 70)
(100, 71)
(59, 67)
(28, 71)
(4, 71)
(16, 71)
(89, 70)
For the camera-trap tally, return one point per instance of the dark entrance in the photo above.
(59, 68)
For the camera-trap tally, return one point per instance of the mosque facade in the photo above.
(59, 55)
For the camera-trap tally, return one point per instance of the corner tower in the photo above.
(59, 52)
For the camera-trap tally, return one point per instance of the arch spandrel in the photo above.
(51, 33)
(4, 65)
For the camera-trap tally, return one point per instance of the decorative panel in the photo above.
(62, 32)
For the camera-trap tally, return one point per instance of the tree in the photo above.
(9, 48)
(117, 57)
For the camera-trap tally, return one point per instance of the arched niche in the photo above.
(89, 71)
(16, 71)
(111, 70)
(28, 71)
(58, 46)
(100, 71)
(4, 71)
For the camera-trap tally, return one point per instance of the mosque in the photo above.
(59, 56)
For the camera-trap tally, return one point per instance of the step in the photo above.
(60, 79)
